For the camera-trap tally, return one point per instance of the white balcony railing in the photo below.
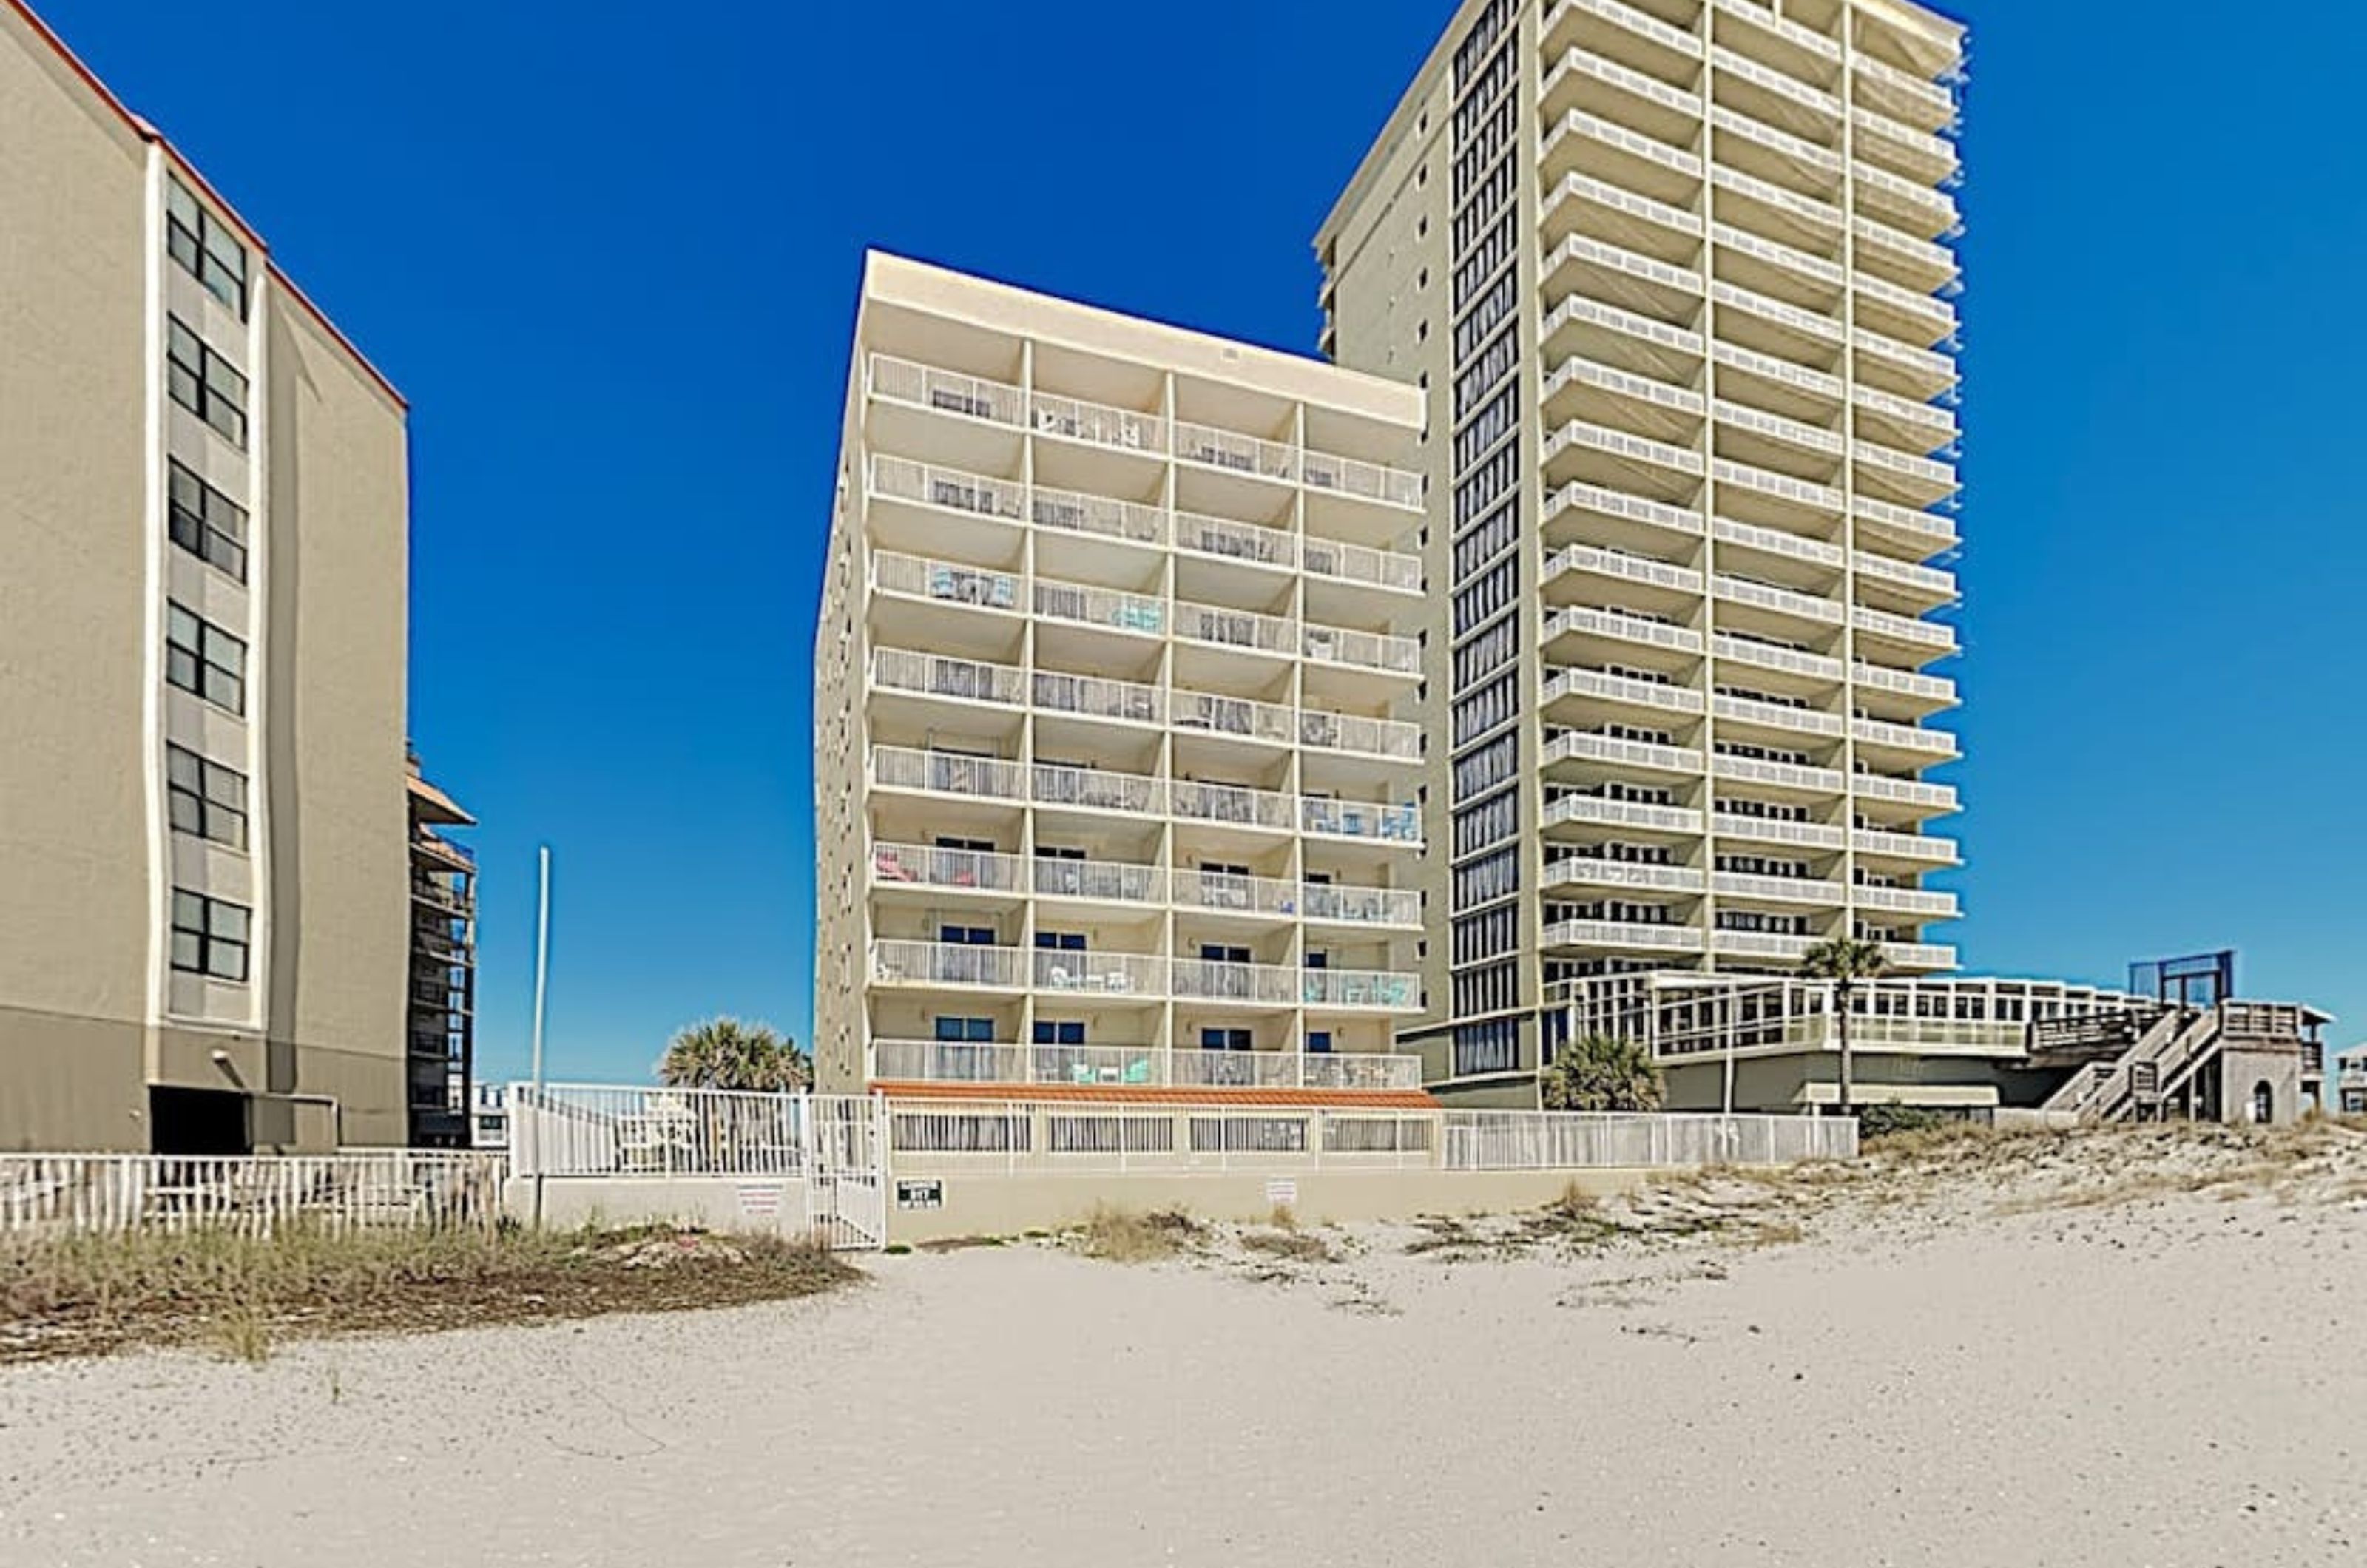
(1587, 621)
(1094, 698)
(946, 773)
(1352, 732)
(1362, 650)
(948, 582)
(961, 679)
(1907, 901)
(1904, 846)
(1631, 934)
(1359, 1070)
(1777, 830)
(1270, 985)
(1585, 62)
(1779, 716)
(1068, 512)
(1635, 144)
(1579, 248)
(1353, 476)
(1360, 819)
(1768, 656)
(1602, 193)
(1085, 604)
(900, 963)
(1242, 717)
(1919, 955)
(1819, 217)
(1778, 542)
(1828, 273)
(1107, 881)
(1599, 811)
(1233, 804)
(1579, 746)
(1227, 893)
(902, 479)
(1093, 789)
(1635, 19)
(1340, 905)
(1578, 308)
(1235, 1069)
(1595, 871)
(1817, 383)
(943, 392)
(1584, 436)
(1818, 102)
(1781, 775)
(1823, 499)
(1605, 688)
(1106, 973)
(1228, 628)
(1808, 324)
(1360, 989)
(1625, 565)
(1764, 944)
(1904, 737)
(1777, 427)
(1236, 541)
(1905, 792)
(1235, 452)
(1579, 497)
(1128, 429)
(1905, 629)
(1362, 563)
(1642, 389)
(1782, 600)
(1778, 889)
(976, 871)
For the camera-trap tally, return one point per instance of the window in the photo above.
(209, 936)
(205, 246)
(208, 524)
(207, 798)
(204, 383)
(1319, 1041)
(972, 1030)
(1058, 1032)
(201, 657)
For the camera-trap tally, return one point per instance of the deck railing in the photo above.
(48, 1194)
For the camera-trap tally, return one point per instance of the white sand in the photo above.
(2173, 1379)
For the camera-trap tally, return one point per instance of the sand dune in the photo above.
(2135, 1348)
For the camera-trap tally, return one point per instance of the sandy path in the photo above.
(2158, 1383)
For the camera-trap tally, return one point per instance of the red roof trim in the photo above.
(148, 132)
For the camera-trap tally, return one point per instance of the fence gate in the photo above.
(846, 1171)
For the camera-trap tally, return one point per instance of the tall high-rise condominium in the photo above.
(1112, 790)
(1674, 275)
(205, 927)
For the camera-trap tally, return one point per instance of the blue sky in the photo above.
(610, 255)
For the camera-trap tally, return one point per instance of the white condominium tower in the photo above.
(1674, 275)
(1112, 793)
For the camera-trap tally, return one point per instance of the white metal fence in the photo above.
(591, 1130)
(1550, 1140)
(1010, 1137)
(51, 1194)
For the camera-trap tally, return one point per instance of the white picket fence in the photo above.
(51, 1194)
(1570, 1140)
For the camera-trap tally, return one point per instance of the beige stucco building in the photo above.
(1675, 277)
(204, 931)
(1115, 790)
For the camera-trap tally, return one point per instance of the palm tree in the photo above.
(724, 1053)
(1595, 1072)
(1844, 961)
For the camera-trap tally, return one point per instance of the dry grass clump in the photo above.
(1291, 1245)
(238, 1293)
(1127, 1235)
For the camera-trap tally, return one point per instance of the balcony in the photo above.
(1236, 454)
(1774, 499)
(1903, 97)
(437, 893)
(1774, 382)
(1231, 805)
(1602, 270)
(1137, 975)
(1360, 821)
(1097, 517)
(1919, 955)
(1900, 478)
(939, 871)
(1581, 623)
(1233, 718)
(1359, 990)
(1754, 889)
(1916, 211)
(1769, 94)
(1907, 901)
(1611, 752)
(1778, 830)
(1904, 846)
(1583, 144)
(939, 1061)
(1794, 777)
(1093, 789)
(1779, 716)
(945, 391)
(1799, 51)
(953, 680)
(1089, 696)
(945, 772)
(1596, 686)
(1776, 156)
(1352, 734)
(1250, 984)
(1935, 690)
(1098, 882)
(1783, 602)
(1905, 260)
(1366, 481)
(1591, 454)
(1902, 530)
(1231, 541)
(1939, 800)
(1625, 33)
(1242, 631)
(1344, 649)
(1583, 328)
(1771, 267)
(1919, 320)
(1097, 424)
(1338, 561)
(1629, 571)
(1582, 204)
(1592, 872)
(1935, 745)
(1226, 894)
(1790, 547)
(1631, 936)
(1613, 518)
(1580, 389)
(1599, 811)
(1764, 944)
(949, 966)
(1781, 330)
(1816, 668)
(1905, 423)
(1579, 77)
(1918, 373)
(1336, 904)
(1925, 640)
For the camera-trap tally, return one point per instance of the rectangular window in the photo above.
(201, 657)
(204, 383)
(205, 247)
(208, 524)
(209, 936)
(207, 798)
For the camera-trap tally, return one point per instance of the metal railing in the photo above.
(1624, 933)
(1208, 980)
(1098, 698)
(903, 479)
(1770, 656)
(1072, 511)
(47, 1195)
(1067, 1138)
(1582, 683)
(1093, 789)
(930, 674)
(1236, 541)
(1111, 882)
(988, 778)
(1905, 736)
(1580, 746)
(1360, 649)
(1225, 891)
(1087, 605)
(1779, 716)
(1113, 974)
(1548, 1140)
(1362, 563)
(1231, 450)
(1595, 809)
(596, 1130)
(1905, 846)
(947, 391)
(1360, 819)
(1365, 737)
(1340, 904)
(1236, 804)
(1359, 988)
(1353, 476)
(970, 870)
(1594, 871)
(1244, 716)
(1128, 429)
(1783, 601)
(1621, 624)
(908, 963)
(1235, 628)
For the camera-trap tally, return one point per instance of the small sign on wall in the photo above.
(760, 1202)
(928, 1193)
(1281, 1189)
